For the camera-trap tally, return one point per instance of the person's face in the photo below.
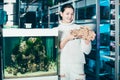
(67, 15)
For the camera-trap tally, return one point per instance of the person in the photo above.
(72, 48)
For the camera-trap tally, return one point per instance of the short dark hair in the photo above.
(66, 6)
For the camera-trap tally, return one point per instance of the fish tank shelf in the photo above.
(29, 53)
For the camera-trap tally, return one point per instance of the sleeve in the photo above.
(60, 32)
(59, 35)
(86, 48)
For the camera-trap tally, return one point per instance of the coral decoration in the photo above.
(84, 33)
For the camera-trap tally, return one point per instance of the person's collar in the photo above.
(60, 22)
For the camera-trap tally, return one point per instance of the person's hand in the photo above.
(91, 35)
(74, 32)
(71, 37)
(66, 39)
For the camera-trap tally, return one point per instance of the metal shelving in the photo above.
(117, 37)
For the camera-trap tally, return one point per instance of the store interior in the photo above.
(21, 22)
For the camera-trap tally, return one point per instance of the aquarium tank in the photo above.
(29, 56)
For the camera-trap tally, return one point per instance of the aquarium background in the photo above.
(30, 56)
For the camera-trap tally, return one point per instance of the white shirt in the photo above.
(73, 51)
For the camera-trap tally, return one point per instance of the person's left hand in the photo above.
(91, 35)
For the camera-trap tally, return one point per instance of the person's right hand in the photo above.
(70, 37)
(91, 36)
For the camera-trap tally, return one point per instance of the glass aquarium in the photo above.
(28, 54)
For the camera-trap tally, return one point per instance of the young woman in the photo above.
(72, 48)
